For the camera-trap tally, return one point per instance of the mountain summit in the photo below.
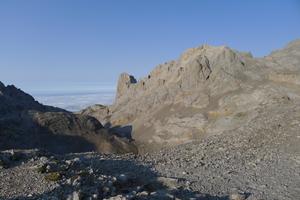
(206, 91)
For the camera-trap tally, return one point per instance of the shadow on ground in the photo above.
(15, 135)
(138, 175)
(120, 131)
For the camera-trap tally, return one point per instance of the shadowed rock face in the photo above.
(25, 123)
(207, 91)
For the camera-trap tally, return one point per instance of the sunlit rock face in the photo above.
(207, 90)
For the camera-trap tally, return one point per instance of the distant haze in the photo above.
(76, 101)
(74, 96)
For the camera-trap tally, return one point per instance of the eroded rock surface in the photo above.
(207, 91)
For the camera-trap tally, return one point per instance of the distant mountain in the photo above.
(25, 123)
(207, 91)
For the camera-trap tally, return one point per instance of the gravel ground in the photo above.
(262, 159)
(257, 161)
(40, 175)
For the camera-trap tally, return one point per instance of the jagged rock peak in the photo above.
(214, 69)
(206, 50)
(1, 85)
(125, 80)
(12, 91)
(294, 43)
(291, 47)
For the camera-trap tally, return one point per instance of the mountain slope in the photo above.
(207, 91)
(25, 123)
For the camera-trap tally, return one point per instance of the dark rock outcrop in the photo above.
(25, 123)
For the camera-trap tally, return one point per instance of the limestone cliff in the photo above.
(207, 90)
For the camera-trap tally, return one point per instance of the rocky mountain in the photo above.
(25, 123)
(206, 91)
(215, 124)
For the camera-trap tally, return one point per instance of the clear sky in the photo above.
(50, 42)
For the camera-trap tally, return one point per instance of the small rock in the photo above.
(109, 183)
(122, 178)
(144, 193)
(153, 193)
(105, 189)
(69, 181)
(48, 168)
(43, 159)
(76, 195)
(113, 179)
(237, 196)
(76, 160)
(68, 162)
(95, 196)
(76, 181)
(139, 188)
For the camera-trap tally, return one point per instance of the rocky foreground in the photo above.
(39, 175)
(253, 163)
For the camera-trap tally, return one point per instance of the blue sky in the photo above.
(52, 43)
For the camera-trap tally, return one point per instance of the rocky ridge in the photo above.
(25, 123)
(207, 91)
